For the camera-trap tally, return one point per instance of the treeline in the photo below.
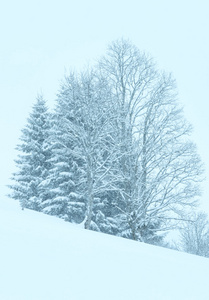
(115, 153)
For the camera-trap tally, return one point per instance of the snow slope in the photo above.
(43, 257)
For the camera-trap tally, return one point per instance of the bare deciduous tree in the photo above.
(86, 123)
(194, 235)
(158, 168)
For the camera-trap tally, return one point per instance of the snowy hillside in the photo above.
(45, 258)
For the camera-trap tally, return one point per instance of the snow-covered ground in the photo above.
(45, 258)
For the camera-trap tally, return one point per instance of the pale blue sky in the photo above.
(42, 39)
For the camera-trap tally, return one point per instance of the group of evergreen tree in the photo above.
(114, 154)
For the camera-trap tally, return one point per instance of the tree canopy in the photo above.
(116, 152)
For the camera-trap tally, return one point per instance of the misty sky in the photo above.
(42, 40)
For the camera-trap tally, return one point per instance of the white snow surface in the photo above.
(43, 257)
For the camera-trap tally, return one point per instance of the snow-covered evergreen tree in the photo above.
(32, 162)
(62, 183)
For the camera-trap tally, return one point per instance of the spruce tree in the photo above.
(32, 162)
(64, 199)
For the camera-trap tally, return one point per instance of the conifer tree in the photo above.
(64, 199)
(32, 162)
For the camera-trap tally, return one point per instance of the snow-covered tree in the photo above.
(32, 162)
(194, 235)
(78, 142)
(115, 154)
(85, 139)
(63, 199)
(157, 169)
